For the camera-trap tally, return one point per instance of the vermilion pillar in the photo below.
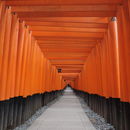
(12, 54)
(19, 57)
(4, 68)
(24, 61)
(44, 75)
(33, 56)
(2, 30)
(27, 76)
(114, 71)
(41, 73)
(123, 27)
(3, 80)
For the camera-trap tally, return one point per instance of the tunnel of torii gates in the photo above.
(45, 45)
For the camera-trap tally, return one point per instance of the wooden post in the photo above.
(123, 27)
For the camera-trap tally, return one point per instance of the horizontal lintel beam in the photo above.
(55, 8)
(61, 2)
(67, 34)
(66, 24)
(68, 14)
(65, 29)
(67, 19)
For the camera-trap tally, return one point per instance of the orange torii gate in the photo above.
(88, 41)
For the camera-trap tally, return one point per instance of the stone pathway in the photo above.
(66, 114)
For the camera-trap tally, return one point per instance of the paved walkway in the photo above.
(65, 114)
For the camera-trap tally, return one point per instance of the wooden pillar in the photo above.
(2, 30)
(44, 74)
(114, 73)
(32, 40)
(4, 108)
(41, 73)
(12, 89)
(19, 56)
(10, 86)
(33, 56)
(123, 27)
(36, 70)
(24, 60)
(23, 74)
(26, 90)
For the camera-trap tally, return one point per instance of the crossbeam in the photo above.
(67, 34)
(65, 29)
(67, 19)
(55, 8)
(67, 24)
(62, 2)
(68, 14)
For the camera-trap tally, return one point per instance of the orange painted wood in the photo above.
(65, 54)
(68, 14)
(129, 7)
(67, 62)
(74, 47)
(78, 24)
(2, 31)
(76, 43)
(53, 78)
(26, 91)
(12, 60)
(48, 77)
(19, 57)
(67, 34)
(114, 64)
(69, 66)
(104, 68)
(72, 68)
(109, 87)
(70, 71)
(64, 8)
(3, 80)
(52, 58)
(64, 46)
(14, 56)
(123, 32)
(36, 69)
(41, 73)
(1, 3)
(92, 71)
(67, 50)
(32, 65)
(44, 74)
(68, 19)
(61, 2)
(65, 29)
(32, 40)
(33, 51)
(100, 69)
(37, 62)
(75, 36)
(24, 61)
(47, 87)
(73, 39)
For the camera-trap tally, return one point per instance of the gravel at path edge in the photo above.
(98, 122)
